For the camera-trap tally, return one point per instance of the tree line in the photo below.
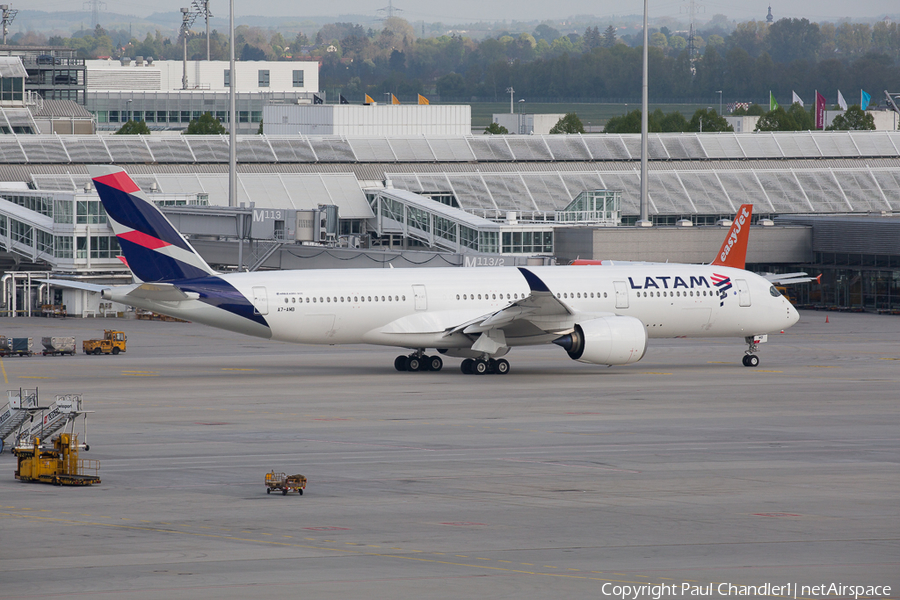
(745, 61)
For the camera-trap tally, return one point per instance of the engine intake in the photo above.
(616, 340)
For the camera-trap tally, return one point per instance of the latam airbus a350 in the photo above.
(602, 315)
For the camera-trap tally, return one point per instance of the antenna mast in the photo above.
(8, 15)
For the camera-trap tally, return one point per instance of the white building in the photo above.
(525, 124)
(743, 124)
(885, 120)
(368, 119)
(166, 75)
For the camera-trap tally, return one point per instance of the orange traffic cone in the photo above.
(826, 318)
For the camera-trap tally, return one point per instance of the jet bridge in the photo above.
(435, 224)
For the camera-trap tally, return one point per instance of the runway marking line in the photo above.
(3, 368)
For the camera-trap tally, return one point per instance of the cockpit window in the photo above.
(774, 291)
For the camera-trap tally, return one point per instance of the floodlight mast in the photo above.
(232, 137)
(644, 221)
(201, 7)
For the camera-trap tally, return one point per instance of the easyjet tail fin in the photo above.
(734, 249)
(153, 248)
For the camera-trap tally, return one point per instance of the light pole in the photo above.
(719, 92)
(128, 109)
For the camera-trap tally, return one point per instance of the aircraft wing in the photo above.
(540, 308)
(790, 278)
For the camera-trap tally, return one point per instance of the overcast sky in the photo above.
(459, 11)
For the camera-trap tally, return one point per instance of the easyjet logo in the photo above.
(735, 231)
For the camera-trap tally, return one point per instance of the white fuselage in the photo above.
(414, 308)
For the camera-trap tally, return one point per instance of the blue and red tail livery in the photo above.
(154, 249)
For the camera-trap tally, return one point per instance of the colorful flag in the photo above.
(317, 99)
(394, 99)
(841, 102)
(423, 100)
(864, 99)
(820, 110)
(344, 100)
(797, 99)
(369, 99)
(773, 104)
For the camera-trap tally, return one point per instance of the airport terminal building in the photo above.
(313, 201)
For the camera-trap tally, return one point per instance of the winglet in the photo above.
(734, 249)
(534, 282)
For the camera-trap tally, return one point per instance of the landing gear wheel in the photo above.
(413, 363)
(751, 360)
(400, 363)
(480, 367)
(467, 366)
(435, 363)
(501, 367)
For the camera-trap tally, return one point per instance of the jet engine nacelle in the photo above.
(616, 340)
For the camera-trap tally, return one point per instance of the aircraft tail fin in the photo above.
(733, 252)
(153, 248)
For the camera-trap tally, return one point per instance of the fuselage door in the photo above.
(621, 294)
(260, 301)
(743, 292)
(419, 295)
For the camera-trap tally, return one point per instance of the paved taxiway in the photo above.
(550, 481)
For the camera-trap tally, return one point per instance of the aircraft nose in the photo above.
(793, 315)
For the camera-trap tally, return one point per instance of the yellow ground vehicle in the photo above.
(59, 466)
(285, 483)
(113, 342)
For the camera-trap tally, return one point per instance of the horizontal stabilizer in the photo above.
(161, 292)
(77, 285)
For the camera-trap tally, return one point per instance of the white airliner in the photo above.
(601, 315)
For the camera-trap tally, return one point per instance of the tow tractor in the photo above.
(285, 483)
(113, 342)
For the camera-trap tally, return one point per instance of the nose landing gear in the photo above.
(753, 341)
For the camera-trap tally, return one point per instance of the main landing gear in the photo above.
(750, 359)
(417, 361)
(480, 366)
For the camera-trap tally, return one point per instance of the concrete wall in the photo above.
(680, 244)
